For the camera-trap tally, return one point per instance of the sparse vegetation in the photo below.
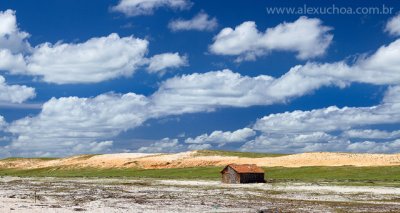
(344, 175)
(206, 173)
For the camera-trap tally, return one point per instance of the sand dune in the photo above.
(194, 159)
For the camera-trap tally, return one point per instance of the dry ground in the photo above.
(147, 195)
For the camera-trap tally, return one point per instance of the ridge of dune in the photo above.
(193, 159)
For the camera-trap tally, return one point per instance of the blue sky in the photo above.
(175, 75)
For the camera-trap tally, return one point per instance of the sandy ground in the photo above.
(192, 159)
(145, 195)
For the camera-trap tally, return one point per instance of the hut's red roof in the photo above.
(245, 168)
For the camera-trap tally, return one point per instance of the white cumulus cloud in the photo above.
(208, 91)
(371, 134)
(13, 43)
(317, 142)
(393, 26)
(95, 60)
(200, 22)
(166, 145)
(199, 146)
(14, 63)
(160, 63)
(375, 147)
(295, 143)
(3, 123)
(306, 131)
(306, 36)
(220, 137)
(11, 38)
(334, 118)
(15, 93)
(66, 124)
(147, 7)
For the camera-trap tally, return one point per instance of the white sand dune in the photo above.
(193, 159)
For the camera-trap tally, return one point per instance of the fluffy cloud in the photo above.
(93, 147)
(393, 26)
(9, 22)
(306, 131)
(326, 129)
(199, 146)
(295, 143)
(306, 36)
(11, 38)
(15, 93)
(207, 91)
(103, 116)
(316, 142)
(221, 137)
(165, 145)
(95, 60)
(381, 68)
(15, 63)
(333, 118)
(371, 134)
(375, 147)
(3, 123)
(160, 63)
(12, 43)
(65, 125)
(66, 122)
(201, 22)
(56, 150)
(201, 142)
(147, 7)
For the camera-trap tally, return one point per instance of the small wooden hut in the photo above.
(242, 173)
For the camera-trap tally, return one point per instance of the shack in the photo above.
(242, 173)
